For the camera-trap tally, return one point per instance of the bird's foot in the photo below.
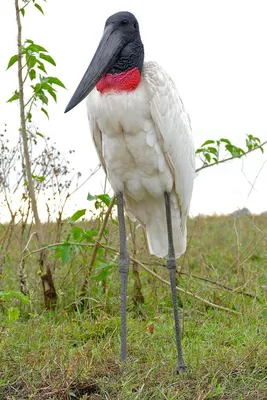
(181, 368)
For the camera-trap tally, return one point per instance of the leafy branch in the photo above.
(35, 59)
(27, 2)
(210, 150)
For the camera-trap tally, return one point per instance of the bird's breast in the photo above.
(134, 160)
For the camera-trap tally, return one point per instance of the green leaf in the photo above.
(22, 10)
(207, 142)
(32, 74)
(65, 252)
(12, 61)
(29, 116)
(14, 97)
(39, 7)
(38, 178)
(41, 66)
(213, 150)
(45, 112)
(47, 58)
(102, 270)
(199, 151)
(55, 81)
(36, 48)
(90, 197)
(30, 60)
(105, 198)
(88, 235)
(207, 156)
(40, 134)
(223, 140)
(18, 295)
(77, 233)
(13, 313)
(50, 90)
(78, 214)
(42, 96)
(230, 148)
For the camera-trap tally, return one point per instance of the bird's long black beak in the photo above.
(106, 54)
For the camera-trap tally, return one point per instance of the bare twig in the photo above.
(97, 168)
(142, 266)
(221, 285)
(27, 244)
(252, 184)
(264, 235)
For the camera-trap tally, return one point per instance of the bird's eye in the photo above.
(124, 22)
(135, 25)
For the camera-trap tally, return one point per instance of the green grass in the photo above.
(70, 354)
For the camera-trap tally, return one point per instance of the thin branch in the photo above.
(142, 266)
(185, 291)
(221, 285)
(27, 244)
(256, 177)
(231, 158)
(97, 168)
(264, 235)
(97, 243)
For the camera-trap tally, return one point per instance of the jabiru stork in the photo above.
(142, 135)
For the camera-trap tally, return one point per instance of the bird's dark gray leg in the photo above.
(171, 264)
(123, 269)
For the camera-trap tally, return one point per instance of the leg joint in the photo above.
(124, 263)
(171, 263)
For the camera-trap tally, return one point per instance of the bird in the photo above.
(143, 137)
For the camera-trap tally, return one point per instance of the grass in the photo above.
(74, 354)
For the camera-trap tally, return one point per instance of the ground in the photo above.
(73, 352)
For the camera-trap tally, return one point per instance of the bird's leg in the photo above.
(171, 264)
(123, 269)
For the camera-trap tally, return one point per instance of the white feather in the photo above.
(143, 139)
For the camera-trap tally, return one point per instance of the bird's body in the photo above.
(137, 157)
(143, 138)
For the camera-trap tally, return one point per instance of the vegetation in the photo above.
(63, 342)
(73, 352)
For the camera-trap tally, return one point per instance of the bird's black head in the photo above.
(119, 50)
(132, 54)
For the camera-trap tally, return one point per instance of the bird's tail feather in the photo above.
(151, 213)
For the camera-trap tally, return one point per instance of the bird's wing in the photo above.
(97, 139)
(173, 130)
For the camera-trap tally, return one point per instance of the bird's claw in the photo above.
(181, 369)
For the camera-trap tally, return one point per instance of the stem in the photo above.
(96, 246)
(48, 286)
(23, 131)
